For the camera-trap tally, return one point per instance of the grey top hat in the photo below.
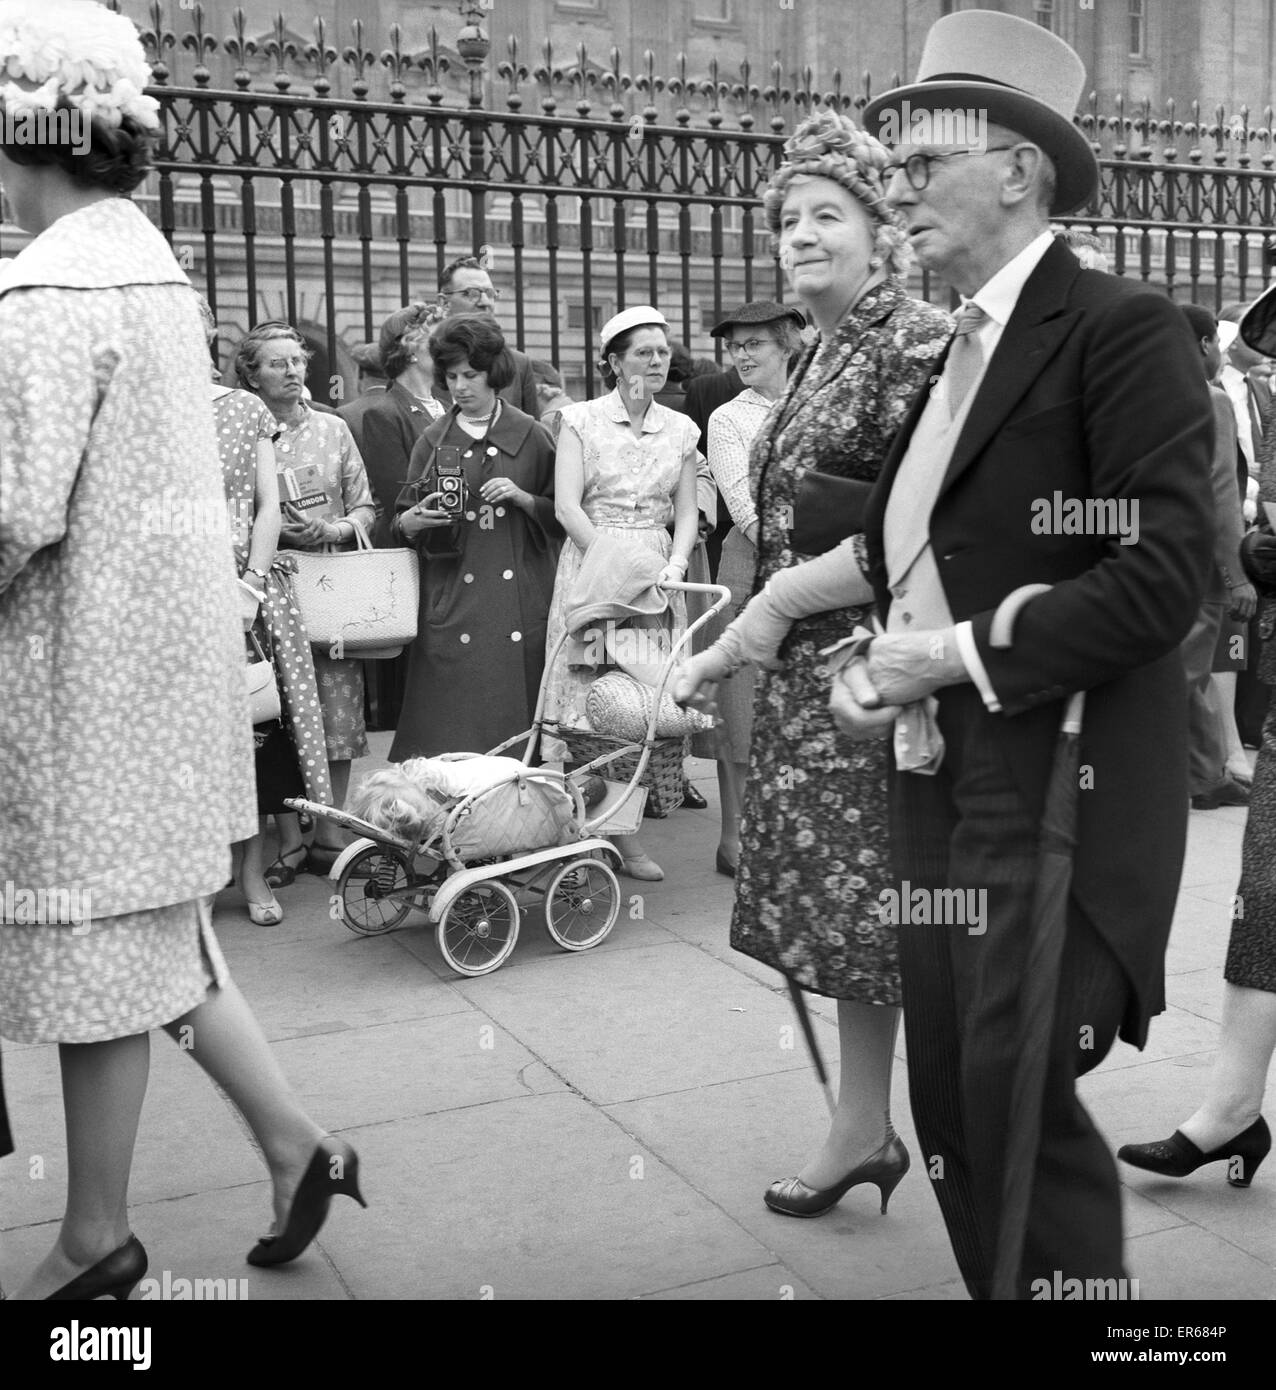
(1012, 73)
(758, 311)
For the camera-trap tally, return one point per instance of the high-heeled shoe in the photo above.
(885, 1169)
(117, 1274)
(1177, 1156)
(723, 865)
(333, 1169)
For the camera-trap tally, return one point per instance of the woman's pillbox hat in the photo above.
(640, 316)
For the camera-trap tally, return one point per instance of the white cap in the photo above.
(1227, 333)
(639, 316)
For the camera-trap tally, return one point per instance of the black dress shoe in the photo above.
(1230, 793)
(691, 798)
(1177, 1156)
(117, 1274)
(334, 1168)
(885, 1169)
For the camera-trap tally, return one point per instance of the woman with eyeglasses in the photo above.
(323, 493)
(465, 287)
(626, 467)
(814, 856)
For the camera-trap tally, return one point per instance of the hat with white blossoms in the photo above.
(77, 52)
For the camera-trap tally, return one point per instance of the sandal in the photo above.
(282, 874)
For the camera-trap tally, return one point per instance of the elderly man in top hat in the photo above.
(1065, 442)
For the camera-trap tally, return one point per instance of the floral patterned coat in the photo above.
(125, 747)
(813, 858)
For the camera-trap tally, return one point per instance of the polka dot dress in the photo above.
(242, 420)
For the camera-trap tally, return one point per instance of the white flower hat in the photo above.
(77, 52)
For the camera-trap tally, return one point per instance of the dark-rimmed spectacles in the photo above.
(917, 166)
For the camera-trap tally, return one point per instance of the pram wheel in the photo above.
(477, 932)
(582, 904)
(366, 884)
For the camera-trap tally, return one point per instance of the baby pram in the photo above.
(523, 833)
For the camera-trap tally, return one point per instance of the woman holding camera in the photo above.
(479, 507)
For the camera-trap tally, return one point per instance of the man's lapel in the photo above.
(1038, 327)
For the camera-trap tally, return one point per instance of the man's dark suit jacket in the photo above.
(385, 425)
(520, 392)
(702, 396)
(1095, 390)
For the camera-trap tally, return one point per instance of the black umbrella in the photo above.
(808, 1032)
(1040, 980)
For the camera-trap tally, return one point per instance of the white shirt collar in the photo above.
(998, 297)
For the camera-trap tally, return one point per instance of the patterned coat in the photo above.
(125, 746)
(814, 854)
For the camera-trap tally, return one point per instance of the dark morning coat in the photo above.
(1095, 389)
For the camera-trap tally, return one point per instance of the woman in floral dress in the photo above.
(271, 362)
(813, 836)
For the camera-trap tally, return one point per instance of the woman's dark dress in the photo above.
(813, 858)
(476, 664)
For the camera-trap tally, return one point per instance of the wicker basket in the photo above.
(663, 777)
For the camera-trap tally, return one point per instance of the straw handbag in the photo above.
(364, 599)
(618, 705)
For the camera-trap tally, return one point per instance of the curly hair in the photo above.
(831, 146)
(402, 333)
(118, 157)
(475, 339)
(248, 353)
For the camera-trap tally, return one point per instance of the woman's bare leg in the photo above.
(1246, 1042)
(224, 1037)
(103, 1086)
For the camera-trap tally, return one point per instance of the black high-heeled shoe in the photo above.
(1177, 1156)
(333, 1169)
(117, 1274)
(885, 1170)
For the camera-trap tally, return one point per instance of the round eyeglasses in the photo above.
(916, 167)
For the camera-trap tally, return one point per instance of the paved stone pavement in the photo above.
(602, 1125)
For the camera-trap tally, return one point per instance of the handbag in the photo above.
(826, 510)
(263, 688)
(620, 706)
(363, 599)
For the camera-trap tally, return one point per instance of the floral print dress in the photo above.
(813, 834)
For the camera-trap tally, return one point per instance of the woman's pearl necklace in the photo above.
(482, 419)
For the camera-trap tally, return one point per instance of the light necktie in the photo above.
(965, 357)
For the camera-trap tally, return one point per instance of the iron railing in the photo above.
(295, 190)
